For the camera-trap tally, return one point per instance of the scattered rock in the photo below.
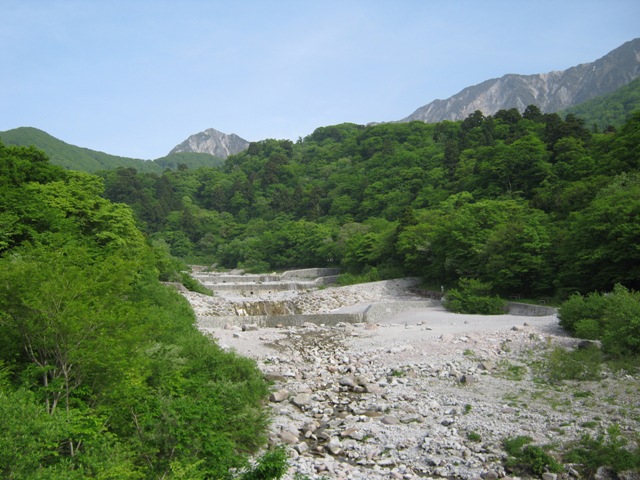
(334, 446)
(279, 396)
(301, 400)
(468, 379)
(487, 365)
(288, 438)
(389, 420)
(302, 448)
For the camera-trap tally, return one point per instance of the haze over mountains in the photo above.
(550, 92)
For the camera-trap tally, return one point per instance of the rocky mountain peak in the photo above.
(551, 92)
(213, 142)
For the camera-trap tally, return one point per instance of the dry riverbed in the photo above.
(424, 393)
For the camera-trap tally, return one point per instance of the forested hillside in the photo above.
(609, 110)
(533, 203)
(72, 157)
(102, 371)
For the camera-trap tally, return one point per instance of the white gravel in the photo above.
(422, 394)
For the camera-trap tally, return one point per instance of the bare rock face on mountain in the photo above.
(550, 92)
(213, 142)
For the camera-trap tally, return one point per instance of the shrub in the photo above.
(608, 450)
(368, 275)
(193, 285)
(473, 296)
(588, 328)
(621, 335)
(560, 364)
(271, 465)
(578, 308)
(613, 317)
(524, 458)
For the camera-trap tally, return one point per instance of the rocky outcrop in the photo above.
(550, 92)
(213, 142)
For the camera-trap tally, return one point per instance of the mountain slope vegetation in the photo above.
(609, 110)
(534, 204)
(86, 160)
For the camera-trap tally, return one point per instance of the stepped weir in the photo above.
(297, 297)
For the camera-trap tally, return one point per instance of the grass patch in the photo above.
(474, 437)
(582, 394)
(559, 364)
(510, 371)
(590, 424)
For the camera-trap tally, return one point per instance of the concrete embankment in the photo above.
(261, 284)
(372, 313)
(528, 310)
(265, 321)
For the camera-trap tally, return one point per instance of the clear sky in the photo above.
(137, 77)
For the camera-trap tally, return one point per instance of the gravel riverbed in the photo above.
(421, 394)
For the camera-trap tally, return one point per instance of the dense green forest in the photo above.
(534, 204)
(87, 160)
(102, 371)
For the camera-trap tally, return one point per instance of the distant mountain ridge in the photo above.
(82, 159)
(551, 92)
(213, 142)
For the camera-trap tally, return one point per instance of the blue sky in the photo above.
(137, 77)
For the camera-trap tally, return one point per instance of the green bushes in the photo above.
(608, 450)
(103, 373)
(472, 296)
(369, 275)
(612, 317)
(524, 458)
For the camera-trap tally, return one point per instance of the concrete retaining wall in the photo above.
(304, 274)
(326, 280)
(214, 279)
(287, 320)
(249, 289)
(527, 310)
(311, 273)
(374, 313)
(379, 312)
